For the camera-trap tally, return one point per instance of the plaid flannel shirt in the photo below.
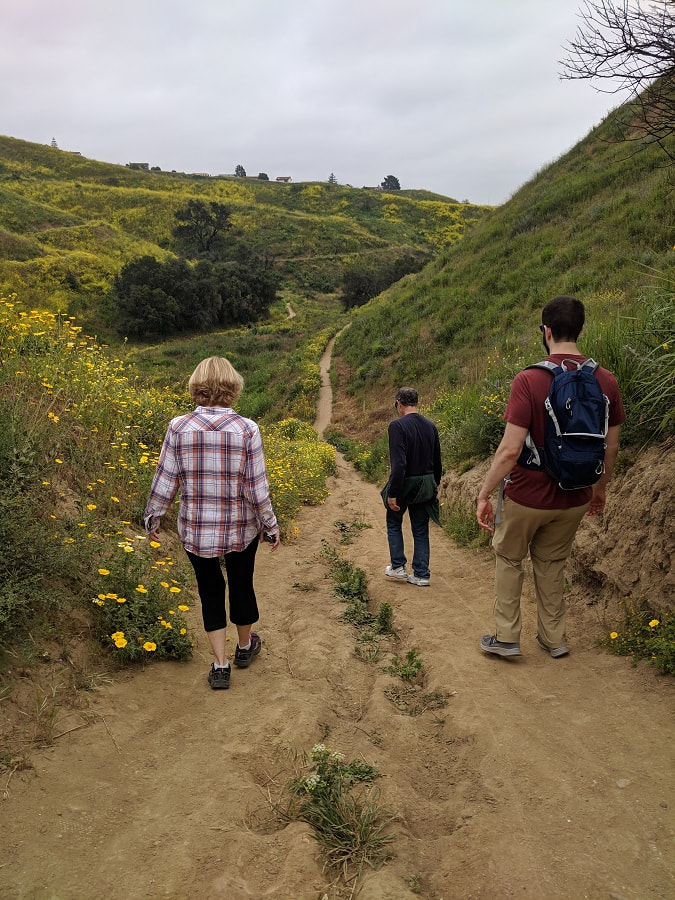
(215, 458)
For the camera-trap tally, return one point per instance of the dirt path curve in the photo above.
(541, 778)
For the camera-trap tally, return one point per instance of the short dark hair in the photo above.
(407, 396)
(565, 316)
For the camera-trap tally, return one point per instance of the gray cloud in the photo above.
(461, 97)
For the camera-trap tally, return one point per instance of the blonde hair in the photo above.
(215, 382)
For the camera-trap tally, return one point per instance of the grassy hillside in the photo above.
(70, 223)
(597, 223)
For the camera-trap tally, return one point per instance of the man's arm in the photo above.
(505, 458)
(600, 488)
(397, 463)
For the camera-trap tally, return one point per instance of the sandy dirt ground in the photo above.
(541, 778)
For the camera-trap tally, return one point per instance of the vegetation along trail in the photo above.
(538, 778)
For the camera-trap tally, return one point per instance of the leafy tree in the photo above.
(240, 172)
(391, 183)
(263, 176)
(630, 47)
(201, 228)
(332, 179)
(364, 280)
(160, 298)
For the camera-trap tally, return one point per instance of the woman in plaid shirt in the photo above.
(215, 458)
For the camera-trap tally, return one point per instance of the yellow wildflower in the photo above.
(149, 646)
(653, 623)
(614, 634)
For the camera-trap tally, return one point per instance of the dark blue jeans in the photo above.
(419, 523)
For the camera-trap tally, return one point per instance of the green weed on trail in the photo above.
(80, 434)
(335, 800)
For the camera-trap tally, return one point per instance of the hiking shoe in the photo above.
(490, 644)
(219, 679)
(244, 658)
(399, 573)
(420, 582)
(554, 651)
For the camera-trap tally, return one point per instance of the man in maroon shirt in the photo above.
(537, 515)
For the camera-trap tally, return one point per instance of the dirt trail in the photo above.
(541, 778)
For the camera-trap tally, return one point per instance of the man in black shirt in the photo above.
(416, 470)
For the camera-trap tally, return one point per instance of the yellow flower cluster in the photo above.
(297, 466)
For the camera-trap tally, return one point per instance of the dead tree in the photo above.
(629, 47)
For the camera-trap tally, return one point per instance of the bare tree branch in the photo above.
(629, 47)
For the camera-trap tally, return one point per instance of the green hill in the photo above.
(70, 223)
(597, 223)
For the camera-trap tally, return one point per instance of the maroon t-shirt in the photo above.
(525, 408)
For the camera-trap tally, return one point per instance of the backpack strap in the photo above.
(557, 369)
(548, 365)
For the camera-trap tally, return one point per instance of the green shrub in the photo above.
(347, 823)
(407, 668)
(139, 611)
(459, 521)
(646, 635)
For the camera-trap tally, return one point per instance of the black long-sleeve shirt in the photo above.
(414, 449)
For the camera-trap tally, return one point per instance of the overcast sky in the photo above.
(462, 97)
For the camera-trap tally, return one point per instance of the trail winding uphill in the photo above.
(541, 778)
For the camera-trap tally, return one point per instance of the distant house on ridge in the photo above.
(144, 166)
(284, 178)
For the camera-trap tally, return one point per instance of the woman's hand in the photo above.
(273, 538)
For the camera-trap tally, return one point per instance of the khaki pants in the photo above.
(548, 534)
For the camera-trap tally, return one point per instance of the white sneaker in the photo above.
(399, 573)
(420, 582)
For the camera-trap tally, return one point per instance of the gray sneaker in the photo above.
(399, 573)
(554, 651)
(420, 582)
(490, 644)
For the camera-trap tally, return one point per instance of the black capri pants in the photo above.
(239, 566)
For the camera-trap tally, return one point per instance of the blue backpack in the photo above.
(576, 426)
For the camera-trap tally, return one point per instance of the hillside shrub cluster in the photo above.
(156, 298)
(366, 279)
